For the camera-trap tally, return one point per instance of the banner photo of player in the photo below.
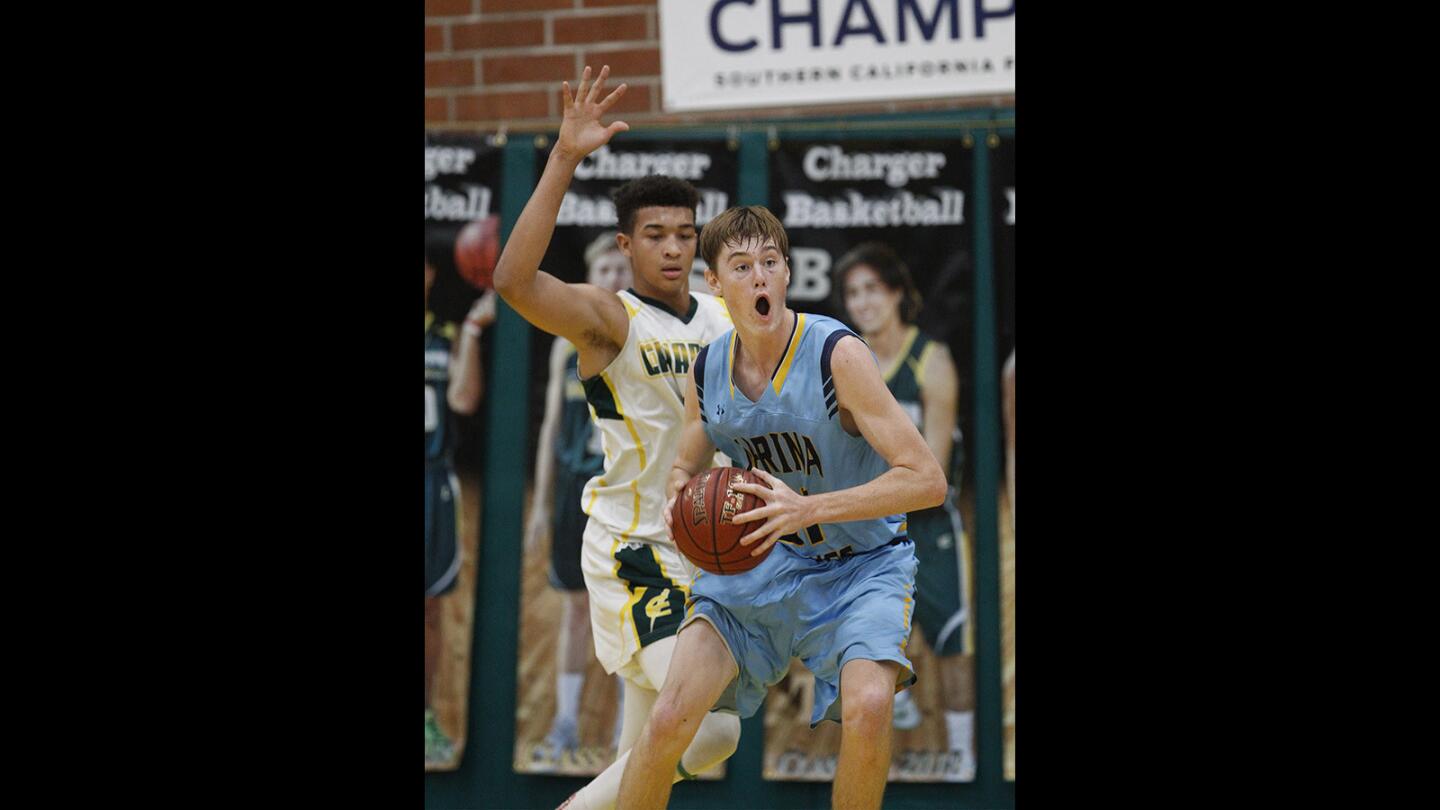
(880, 238)
(1002, 217)
(462, 179)
(568, 710)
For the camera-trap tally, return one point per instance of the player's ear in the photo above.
(712, 280)
(622, 241)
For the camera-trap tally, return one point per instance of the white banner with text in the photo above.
(726, 54)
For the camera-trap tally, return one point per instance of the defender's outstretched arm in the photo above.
(588, 316)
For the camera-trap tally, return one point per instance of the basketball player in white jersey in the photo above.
(634, 353)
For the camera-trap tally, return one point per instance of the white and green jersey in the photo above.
(638, 406)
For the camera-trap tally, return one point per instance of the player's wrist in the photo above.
(473, 328)
(809, 510)
(679, 476)
(567, 155)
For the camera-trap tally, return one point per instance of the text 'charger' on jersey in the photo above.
(638, 404)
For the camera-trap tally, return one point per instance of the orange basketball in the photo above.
(703, 529)
(477, 247)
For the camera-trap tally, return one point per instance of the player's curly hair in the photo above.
(652, 190)
(888, 265)
(738, 225)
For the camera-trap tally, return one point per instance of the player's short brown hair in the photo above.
(738, 225)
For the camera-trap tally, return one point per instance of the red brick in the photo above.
(434, 38)
(496, 34)
(448, 8)
(450, 73)
(636, 99)
(628, 64)
(495, 106)
(497, 6)
(598, 3)
(436, 109)
(610, 28)
(509, 69)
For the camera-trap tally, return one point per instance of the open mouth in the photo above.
(762, 305)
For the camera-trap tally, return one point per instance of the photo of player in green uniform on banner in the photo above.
(880, 239)
(462, 176)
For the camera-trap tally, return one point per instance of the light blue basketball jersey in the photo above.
(794, 432)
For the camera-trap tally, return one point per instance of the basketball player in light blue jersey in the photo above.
(800, 398)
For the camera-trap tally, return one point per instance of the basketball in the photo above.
(702, 514)
(476, 249)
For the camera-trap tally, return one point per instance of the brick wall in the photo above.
(489, 62)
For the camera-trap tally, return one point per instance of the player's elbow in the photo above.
(933, 484)
(506, 279)
(502, 278)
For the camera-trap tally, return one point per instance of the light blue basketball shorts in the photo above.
(827, 614)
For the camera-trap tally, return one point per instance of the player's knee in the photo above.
(866, 708)
(670, 721)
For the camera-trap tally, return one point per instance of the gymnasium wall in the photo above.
(489, 62)
(486, 777)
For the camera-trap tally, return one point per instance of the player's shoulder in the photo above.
(712, 316)
(818, 324)
(836, 351)
(712, 306)
(628, 297)
(926, 346)
(823, 333)
(929, 350)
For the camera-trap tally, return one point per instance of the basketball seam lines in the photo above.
(714, 519)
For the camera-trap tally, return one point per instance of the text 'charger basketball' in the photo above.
(703, 524)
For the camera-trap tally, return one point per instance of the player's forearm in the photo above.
(695, 450)
(467, 383)
(520, 261)
(900, 489)
(693, 455)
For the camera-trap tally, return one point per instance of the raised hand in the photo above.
(581, 132)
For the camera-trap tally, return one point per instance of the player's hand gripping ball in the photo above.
(701, 520)
(477, 248)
